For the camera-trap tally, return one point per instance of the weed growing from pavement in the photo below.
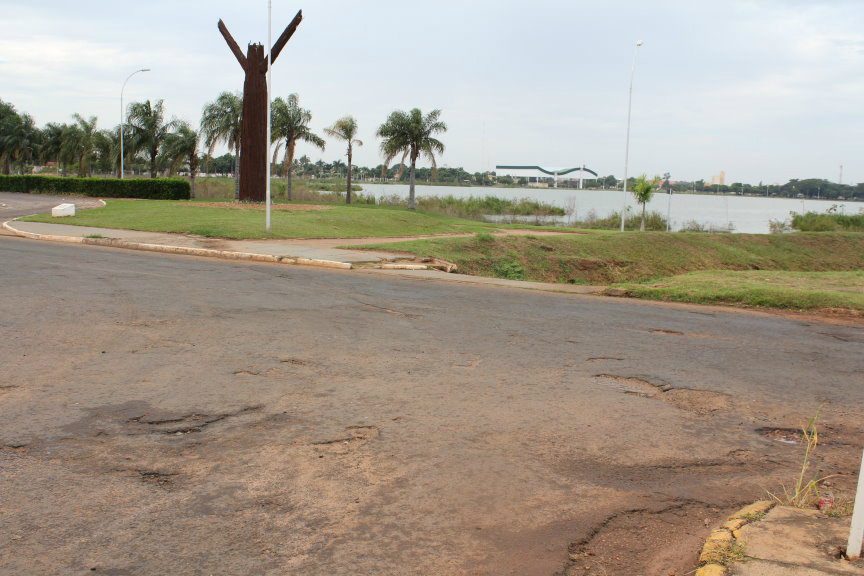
(805, 493)
(94, 236)
(727, 554)
(753, 516)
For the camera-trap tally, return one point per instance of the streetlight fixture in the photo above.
(627, 147)
(122, 115)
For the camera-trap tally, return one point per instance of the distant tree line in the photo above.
(154, 145)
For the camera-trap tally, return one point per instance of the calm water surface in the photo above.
(748, 214)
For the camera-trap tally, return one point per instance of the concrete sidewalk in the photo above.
(280, 251)
(767, 540)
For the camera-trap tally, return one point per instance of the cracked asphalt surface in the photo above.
(175, 415)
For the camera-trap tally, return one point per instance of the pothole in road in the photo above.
(160, 479)
(164, 480)
(188, 423)
(357, 436)
(643, 542)
(701, 402)
(784, 435)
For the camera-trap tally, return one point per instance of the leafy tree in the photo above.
(220, 122)
(643, 190)
(412, 134)
(290, 123)
(8, 119)
(19, 137)
(181, 147)
(148, 129)
(346, 129)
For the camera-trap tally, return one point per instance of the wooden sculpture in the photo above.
(253, 124)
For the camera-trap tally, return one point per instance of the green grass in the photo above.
(609, 258)
(336, 221)
(768, 289)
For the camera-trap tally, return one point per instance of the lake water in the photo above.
(750, 214)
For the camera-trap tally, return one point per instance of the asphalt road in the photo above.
(174, 415)
(16, 205)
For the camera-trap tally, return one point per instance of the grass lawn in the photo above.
(610, 258)
(772, 289)
(335, 221)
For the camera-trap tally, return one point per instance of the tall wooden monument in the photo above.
(253, 125)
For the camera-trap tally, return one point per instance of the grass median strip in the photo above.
(247, 221)
(770, 289)
(608, 258)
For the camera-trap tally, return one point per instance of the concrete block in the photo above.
(63, 210)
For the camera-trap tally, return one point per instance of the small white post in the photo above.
(856, 532)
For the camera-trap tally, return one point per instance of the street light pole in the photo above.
(122, 114)
(627, 147)
(269, 111)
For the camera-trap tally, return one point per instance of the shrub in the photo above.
(509, 270)
(149, 188)
(653, 221)
(813, 222)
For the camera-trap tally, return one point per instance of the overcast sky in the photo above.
(765, 90)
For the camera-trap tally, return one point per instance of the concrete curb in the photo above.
(116, 243)
(724, 538)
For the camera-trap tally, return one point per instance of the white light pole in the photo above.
(122, 115)
(627, 147)
(856, 532)
(269, 111)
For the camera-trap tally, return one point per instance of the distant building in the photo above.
(719, 179)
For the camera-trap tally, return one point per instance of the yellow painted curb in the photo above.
(711, 570)
(725, 537)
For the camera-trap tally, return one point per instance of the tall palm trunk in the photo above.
(288, 167)
(153, 163)
(348, 190)
(236, 172)
(273, 164)
(642, 225)
(412, 205)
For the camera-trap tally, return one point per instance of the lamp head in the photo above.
(639, 43)
(148, 69)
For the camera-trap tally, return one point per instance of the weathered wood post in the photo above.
(253, 125)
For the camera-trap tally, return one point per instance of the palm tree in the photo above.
(290, 122)
(148, 129)
(107, 147)
(52, 143)
(346, 129)
(181, 147)
(412, 133)
(79, 142)
(220, 122)
(643, 190)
